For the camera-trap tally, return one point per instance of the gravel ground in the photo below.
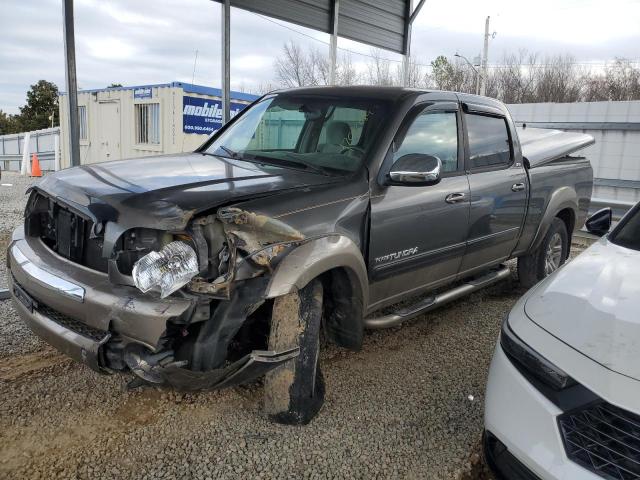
(408, 405)
(12, 202)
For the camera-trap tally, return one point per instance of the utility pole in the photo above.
(485, 54)
(225, 58)
(333, 45)
(72, 82)
(478, 80)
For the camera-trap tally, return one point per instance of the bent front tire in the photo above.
(550, 255)
(294, 392)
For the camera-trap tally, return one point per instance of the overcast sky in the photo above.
(137, 42)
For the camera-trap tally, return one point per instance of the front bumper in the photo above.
(77, 309)
(502, 462)
(525, 422)
(83, 347)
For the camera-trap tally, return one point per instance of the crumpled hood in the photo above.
(165, 191)
(593, 305)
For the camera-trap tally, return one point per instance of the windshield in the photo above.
(627, 234)
(314, 133)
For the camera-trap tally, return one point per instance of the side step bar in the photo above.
(438, 300)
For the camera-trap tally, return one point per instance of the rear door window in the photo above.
(489, 142)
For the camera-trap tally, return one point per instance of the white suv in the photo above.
(563, 396)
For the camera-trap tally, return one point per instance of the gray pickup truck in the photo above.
(309, 212)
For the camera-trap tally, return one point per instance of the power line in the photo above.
(491, 66)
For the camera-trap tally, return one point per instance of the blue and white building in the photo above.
(129, 122)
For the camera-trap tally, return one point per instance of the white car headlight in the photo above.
(167, 270)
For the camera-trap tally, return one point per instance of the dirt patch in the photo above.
(15, 368)
(140, 409)
(5, 238)
(76, 429)
(477, 466)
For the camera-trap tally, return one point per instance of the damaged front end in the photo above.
(223, 262)
(253, 243)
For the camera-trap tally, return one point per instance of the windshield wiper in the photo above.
(278, 162)
(233, 154)
(307, 165)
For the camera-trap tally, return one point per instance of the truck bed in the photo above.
(541, 146)
(555, 158)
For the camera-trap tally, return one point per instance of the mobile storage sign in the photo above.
(203, 115)
(142, 92)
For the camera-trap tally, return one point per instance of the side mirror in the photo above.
(600, 222)
(415, 169)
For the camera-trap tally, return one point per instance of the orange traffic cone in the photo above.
(35, 166)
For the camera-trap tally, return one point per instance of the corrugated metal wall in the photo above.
(42, 143)
(616, 128)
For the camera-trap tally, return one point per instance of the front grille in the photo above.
(65, 232)
(603, 439)
(71, 323)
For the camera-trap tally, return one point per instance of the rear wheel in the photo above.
(550, 255)
(294, 392)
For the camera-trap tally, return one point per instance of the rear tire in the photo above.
(550, 255)
(294, 392)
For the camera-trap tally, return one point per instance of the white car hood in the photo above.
(593, 305)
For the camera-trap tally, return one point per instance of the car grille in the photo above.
(66, 232)
(71, 323)
(603, 439)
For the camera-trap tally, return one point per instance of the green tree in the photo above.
(42, 102)
(9, 123)
(443, 72)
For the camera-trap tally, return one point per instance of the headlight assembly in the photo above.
(530, 362)
(166, 270)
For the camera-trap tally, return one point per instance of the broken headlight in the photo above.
(531, 362)
(166, 270)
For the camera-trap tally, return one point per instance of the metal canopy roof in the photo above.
(380, 23)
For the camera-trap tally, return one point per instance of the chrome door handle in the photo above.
(517, 187)
(455, 197)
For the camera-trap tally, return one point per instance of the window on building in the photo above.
(147, 123)
(489, 144)
(82, 117)
(433, 133)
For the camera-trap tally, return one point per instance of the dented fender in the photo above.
(315, 257)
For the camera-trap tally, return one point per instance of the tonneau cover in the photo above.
(541, 145)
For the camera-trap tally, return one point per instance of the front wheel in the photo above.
(294, 392)
(550, 255)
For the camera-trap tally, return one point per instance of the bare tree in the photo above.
(294, 68)
(319, 67)
(297, 68)
(521, 77)
(265, 87)
(379, 69)
(558, 79)
(346, 73)
(620, 81)
(623, 80)
(514, 80)
(418, 76)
